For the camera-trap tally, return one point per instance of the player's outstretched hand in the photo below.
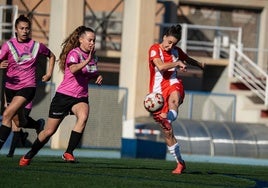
(99, 80)
(183, 68)
(203, 65)
(46, 78)
(4, 64)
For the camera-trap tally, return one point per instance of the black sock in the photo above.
(23, 118)
(4, 133)
(37, 145)
(14, 143)
(31, 123)
(74, 141)
(23, 136)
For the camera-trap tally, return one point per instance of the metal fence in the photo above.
(208, 106)
(107, 112)
(8, 14)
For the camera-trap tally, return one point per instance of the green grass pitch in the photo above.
(51, 171)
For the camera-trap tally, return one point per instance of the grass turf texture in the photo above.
(126, 173)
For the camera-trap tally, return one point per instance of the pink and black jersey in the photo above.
(76, 85)
(21, 56)
(161, 80)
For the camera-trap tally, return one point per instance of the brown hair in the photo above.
(174, 31)
(23, 18)
(71, 42)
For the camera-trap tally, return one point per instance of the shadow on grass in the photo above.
(258, 183)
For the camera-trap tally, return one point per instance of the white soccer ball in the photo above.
(153, 102)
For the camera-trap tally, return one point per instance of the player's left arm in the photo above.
(3, 64)
(194, 62)
(52, 59)
(99, 80)
(190, 61)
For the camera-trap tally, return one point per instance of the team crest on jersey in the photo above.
(91, 68)
(153, 53)
(72, 59)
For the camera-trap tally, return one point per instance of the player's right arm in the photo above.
(155, 58)
(4, 55)
(161, 66)
(3, 64)
(75, 66)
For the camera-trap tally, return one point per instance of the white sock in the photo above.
(175, 151)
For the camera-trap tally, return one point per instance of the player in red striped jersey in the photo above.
(166, 59)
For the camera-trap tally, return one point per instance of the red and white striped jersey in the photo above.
(161, 80)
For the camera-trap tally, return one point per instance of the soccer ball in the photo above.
(153, 102)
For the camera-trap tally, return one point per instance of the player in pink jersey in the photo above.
(21, 53)
(79, 64)
(19, 137)
(165, 61)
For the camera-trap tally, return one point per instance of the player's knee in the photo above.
(82, 119)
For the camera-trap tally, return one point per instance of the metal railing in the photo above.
(249, 73)
(214, 41)
(218, 41)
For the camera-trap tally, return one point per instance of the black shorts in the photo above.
(61, 105)
(28, 93)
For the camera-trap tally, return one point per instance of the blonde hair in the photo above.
(71, 42)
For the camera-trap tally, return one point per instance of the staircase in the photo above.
(250, 83)
(241, 68)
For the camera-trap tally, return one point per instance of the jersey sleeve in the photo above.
(44, 50)
(4, 52)
(72, 58)
(153, 53)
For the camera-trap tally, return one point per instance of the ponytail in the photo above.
(71, 42)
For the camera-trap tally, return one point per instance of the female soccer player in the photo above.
(21, 53)
(165, 60)
(18, 134)
(79, 64)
